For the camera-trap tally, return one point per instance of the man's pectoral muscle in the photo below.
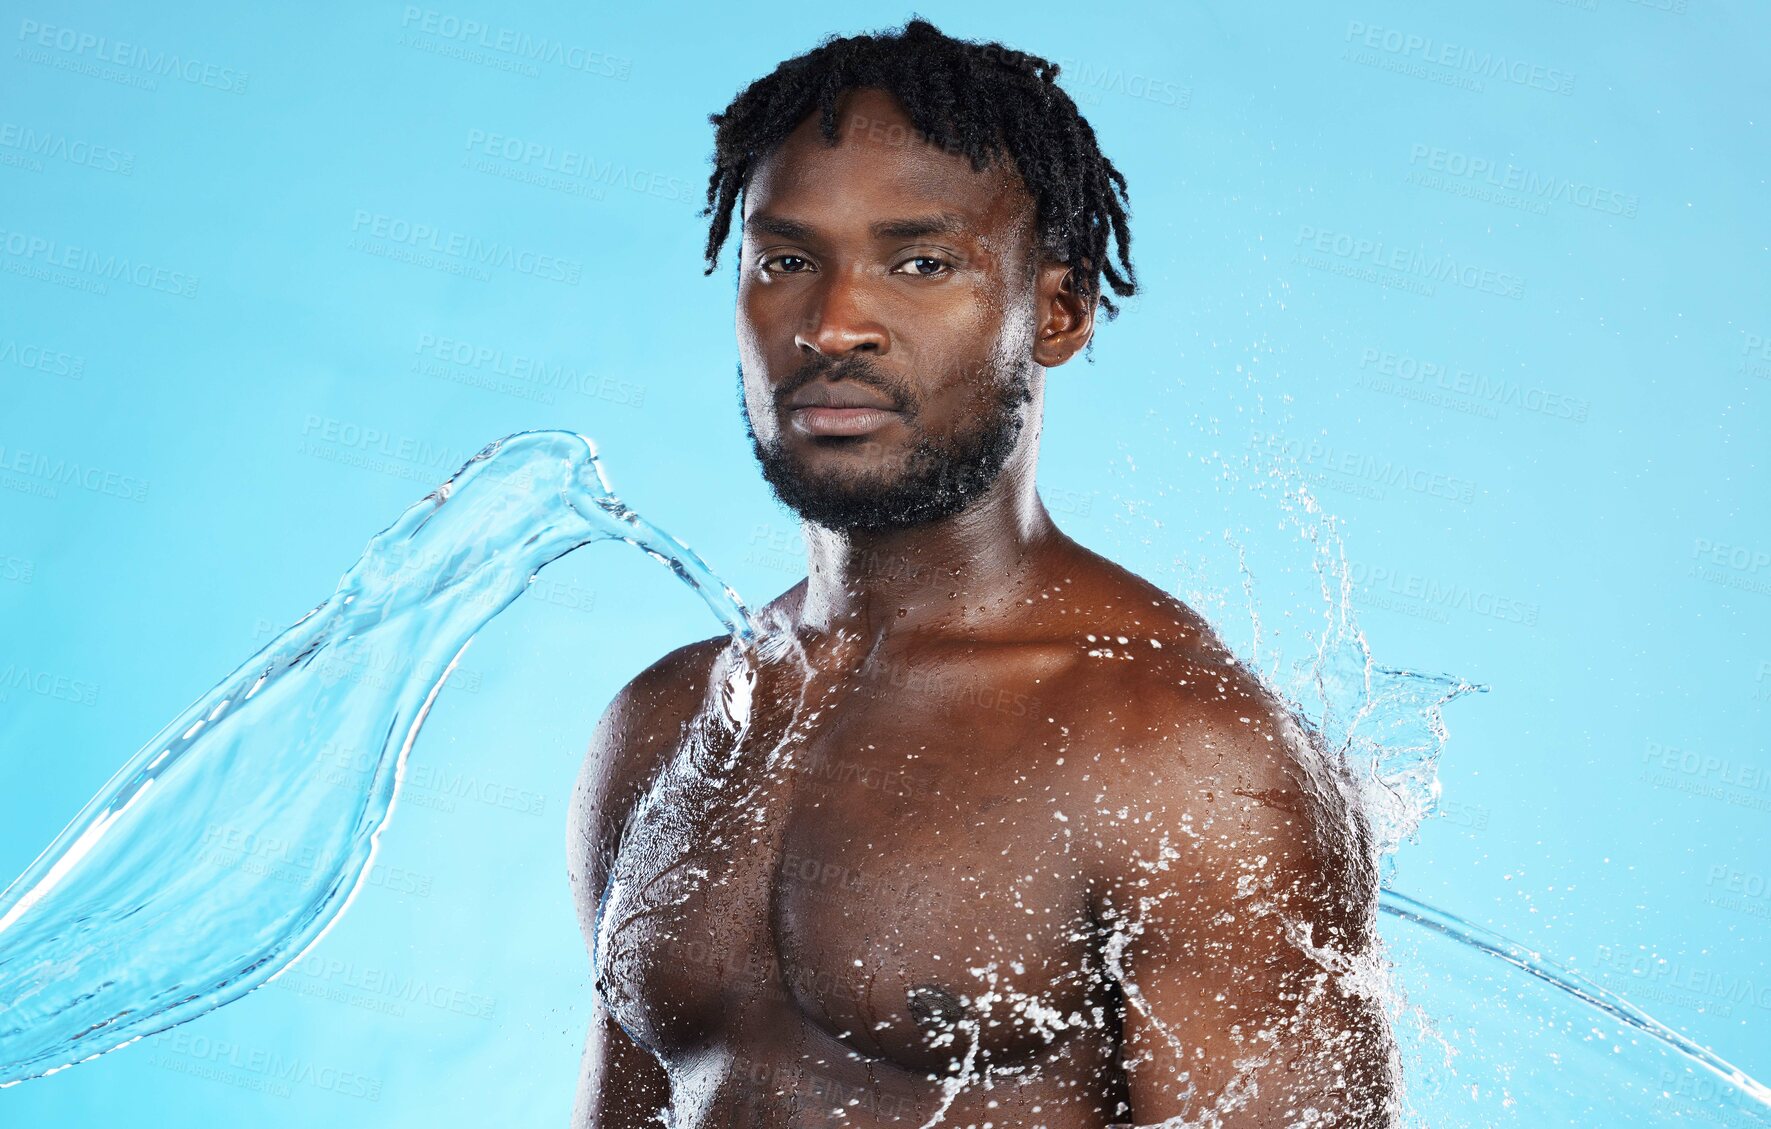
(1222, 861)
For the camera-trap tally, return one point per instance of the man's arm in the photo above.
(622, 1085)
(1241, 919)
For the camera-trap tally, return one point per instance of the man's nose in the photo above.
(840, 318)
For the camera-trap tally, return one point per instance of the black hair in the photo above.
(979, 99)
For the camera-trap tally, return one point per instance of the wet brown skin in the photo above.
(1013, 761)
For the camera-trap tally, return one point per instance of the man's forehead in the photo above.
(888, 180)
(922, 226)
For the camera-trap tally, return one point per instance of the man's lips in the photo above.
(840, 407)
(818, 420)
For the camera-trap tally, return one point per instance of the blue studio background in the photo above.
(1509, 323)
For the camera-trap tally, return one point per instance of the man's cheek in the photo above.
(767, 419)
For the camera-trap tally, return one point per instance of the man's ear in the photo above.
(1066, 319)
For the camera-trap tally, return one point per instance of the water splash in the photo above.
(1387, 725)
(149, 911)
(1499, 1034)
(218, 853)
(1493, 1033)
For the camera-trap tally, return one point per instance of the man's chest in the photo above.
(905, 878)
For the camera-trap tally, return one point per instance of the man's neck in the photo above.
(957, 574)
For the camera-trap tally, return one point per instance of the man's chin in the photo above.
(854, 456)
(843, 501)
(855, 469)
(876, 486)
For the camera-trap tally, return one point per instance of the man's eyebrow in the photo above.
(910, 227)
(938, 223)
(763, 224)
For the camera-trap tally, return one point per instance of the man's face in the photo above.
(887, 311)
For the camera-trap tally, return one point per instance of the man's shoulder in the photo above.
(676, 683)
(632, 741)
(1179, 737)
(643, 723)
(1151, 663)
(1178, 709)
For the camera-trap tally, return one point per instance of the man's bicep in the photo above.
(1243, 917)
(593, 822)
(1257, 1032)
(622, 1085)
(636, 732)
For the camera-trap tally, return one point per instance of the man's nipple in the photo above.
(935, 1009)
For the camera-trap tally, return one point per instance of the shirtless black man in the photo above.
(990, 831)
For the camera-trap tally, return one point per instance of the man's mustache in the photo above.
(852, 367)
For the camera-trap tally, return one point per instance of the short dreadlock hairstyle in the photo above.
(980, 99)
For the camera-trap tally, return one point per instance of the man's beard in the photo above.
(938, 477)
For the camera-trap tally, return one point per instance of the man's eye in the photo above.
(917, 266)
(800, 263)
